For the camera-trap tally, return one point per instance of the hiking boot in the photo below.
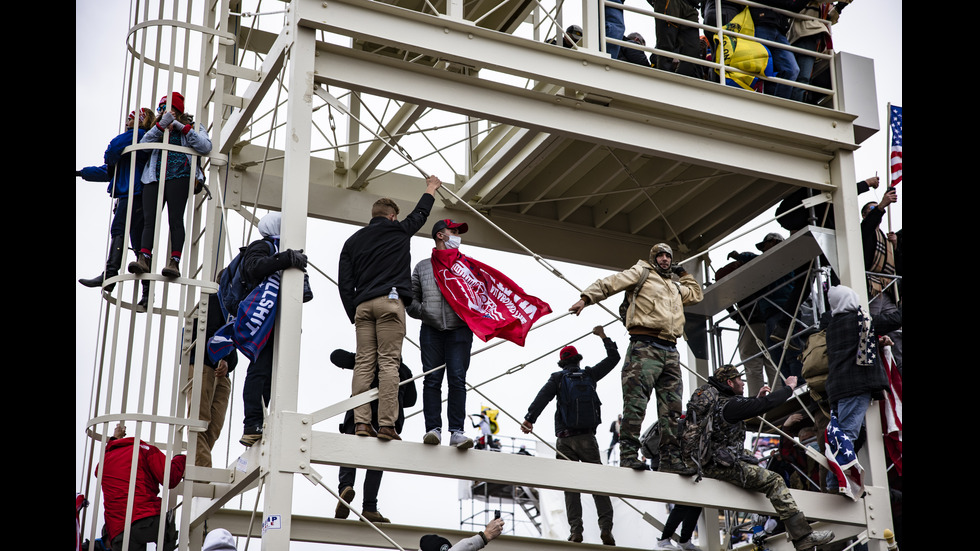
(173, 269)
(388, 433)
(459, 441)
(374, 516)
(634, 463)
(433, 437)
(665, 545)
(803, 536)
(607, 538)
(141, 265)
(248, 439)
(365, 429)
(575, 538)
(677, 467)
(347, 494)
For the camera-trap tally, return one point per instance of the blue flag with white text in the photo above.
(253, 325)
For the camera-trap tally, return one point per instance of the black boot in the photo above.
(141, 305)
(111, 265)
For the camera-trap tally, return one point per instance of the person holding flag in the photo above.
(457, 297)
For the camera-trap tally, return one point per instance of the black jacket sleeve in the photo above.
(259, 262)
(545, 395)
(603, 368)
(741, 408)
(407, 392)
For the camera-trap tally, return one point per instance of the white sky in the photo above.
(870, 28)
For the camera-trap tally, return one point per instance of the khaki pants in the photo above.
(214, 404)
(380, 329)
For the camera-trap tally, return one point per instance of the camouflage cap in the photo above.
(660, 248)
(726, 372)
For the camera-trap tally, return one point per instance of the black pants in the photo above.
(144, 531)
(175, 197)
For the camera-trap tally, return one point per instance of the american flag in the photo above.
(891, 411)
(842, 461)
(895, 151)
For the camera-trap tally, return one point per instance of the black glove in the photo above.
(678, 269)
(296, 259)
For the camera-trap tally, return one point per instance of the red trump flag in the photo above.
(490, 303)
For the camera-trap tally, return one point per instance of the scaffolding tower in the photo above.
(318, 108)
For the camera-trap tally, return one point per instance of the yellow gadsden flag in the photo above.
(745, 60)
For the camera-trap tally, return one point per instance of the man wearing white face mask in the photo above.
(444, 339)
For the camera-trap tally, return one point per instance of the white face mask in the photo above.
(453, 241)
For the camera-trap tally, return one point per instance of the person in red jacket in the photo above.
(150, 467)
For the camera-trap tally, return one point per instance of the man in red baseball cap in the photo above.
(576, 419)
(444, 339)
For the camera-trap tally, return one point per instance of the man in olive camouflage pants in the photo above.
(655, 320)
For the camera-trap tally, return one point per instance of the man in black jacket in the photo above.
(407, 396)
(259, 261)
(577, 444)
(375, 284)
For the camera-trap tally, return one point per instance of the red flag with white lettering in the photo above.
(490, 303)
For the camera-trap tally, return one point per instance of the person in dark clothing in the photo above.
(571, 36)
(407, 396)
(879, 262)
(800, 218)
(634, 55)
(259, 261)
(727, 459)
(678, 38)
(375, 284)
(685, 516)
(215, 385)
(577, 444)
(855, 373)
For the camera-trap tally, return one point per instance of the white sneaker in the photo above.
(433, 437)
(459, 441)
(690, 546)
(666, 545)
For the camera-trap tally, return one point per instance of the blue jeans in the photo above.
(805, 63)
(453, 349)
(783, 61)
(850, 417)
(615, 28)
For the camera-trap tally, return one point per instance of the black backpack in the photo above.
(232, 289)
(578, 402)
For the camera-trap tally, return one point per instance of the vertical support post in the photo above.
(593, 21)
(277, 509)
(847, 221)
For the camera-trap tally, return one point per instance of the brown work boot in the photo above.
(141, 265)
(172, 270)
(365, 429)
(388, 433)
(342, 511)
(374, 516)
